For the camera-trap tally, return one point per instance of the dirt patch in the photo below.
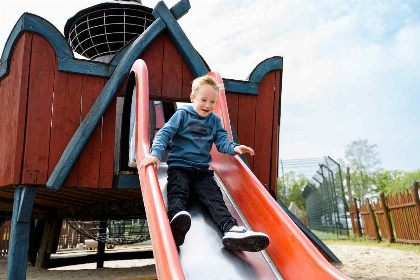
(374, 263)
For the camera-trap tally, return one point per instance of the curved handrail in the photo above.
(290, 250)
(168, 265)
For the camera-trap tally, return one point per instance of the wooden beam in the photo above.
(131, 255)
(180, 40)
(19, 235)
(49, 242)
(101, 245)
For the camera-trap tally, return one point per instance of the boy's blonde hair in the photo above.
(205, 80)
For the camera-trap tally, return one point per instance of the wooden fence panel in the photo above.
(369, 221)
(405, 211)
(355, 219)
(4, 238)
(383, 218)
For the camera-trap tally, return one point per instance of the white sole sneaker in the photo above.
(241, 239)
(180, 225)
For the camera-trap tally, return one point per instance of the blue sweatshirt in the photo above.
(192, 138)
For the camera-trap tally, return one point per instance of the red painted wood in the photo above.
(65, 119)
(187, 79)
(13, 97)
(89, 159)
(172, 71)
(107, 146)
(246, 124)
(153, 56)
(276, 135)
(232, 103)
(38, 121)
(264, 129)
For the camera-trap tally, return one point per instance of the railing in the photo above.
(168, 265)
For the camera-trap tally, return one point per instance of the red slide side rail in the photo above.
(168, 265)
(291, 251)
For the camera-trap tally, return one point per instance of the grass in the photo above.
(330, 236)
(331, 239)
(364, 242)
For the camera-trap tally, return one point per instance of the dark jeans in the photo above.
(182, 180)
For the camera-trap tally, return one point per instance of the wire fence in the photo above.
(321, 185)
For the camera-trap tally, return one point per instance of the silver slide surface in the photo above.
(203, 256)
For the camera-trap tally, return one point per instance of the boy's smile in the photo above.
(204, 100)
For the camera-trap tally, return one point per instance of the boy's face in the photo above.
(204, 100)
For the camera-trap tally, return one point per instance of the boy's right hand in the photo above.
(150, 159)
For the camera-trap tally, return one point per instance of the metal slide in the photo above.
(202, 255)
(290, 255)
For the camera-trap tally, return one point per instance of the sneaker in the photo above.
(241, 239)
(180, 225)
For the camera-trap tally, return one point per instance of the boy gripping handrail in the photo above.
(193, 130)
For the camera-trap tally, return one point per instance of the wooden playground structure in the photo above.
(61, 126)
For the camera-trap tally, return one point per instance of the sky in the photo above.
(350, 67)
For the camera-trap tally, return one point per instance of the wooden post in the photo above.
(372, 216)
(19, 235)
(416, 196)
(358, 226)
(32, 240)
(348, 186)
(49, 242)
(387, 218)
(101, 244)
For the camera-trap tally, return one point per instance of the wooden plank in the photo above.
(153, 57)
(276, 134)
(38, 120)
(246, 124)
(107, 146)
(232, 100)
(172, 71)
(264, 128)
(89, 160)
(187, 79)
(65, 119)
(13, 98)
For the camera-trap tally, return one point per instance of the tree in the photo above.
(385, 181)
(393, 181)
(291, 188)
(363, 160)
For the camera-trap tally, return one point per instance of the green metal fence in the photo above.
(326, 208)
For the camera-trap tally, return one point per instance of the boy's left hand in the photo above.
(242, 149)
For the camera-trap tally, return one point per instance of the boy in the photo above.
(193, 130)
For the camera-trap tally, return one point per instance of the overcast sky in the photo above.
(350, 67)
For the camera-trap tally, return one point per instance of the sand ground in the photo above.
(358, 262)
(376, 263)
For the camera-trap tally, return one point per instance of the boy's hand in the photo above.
(150, 159)
(242, 149)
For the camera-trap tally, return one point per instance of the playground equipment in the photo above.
(64, 145)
